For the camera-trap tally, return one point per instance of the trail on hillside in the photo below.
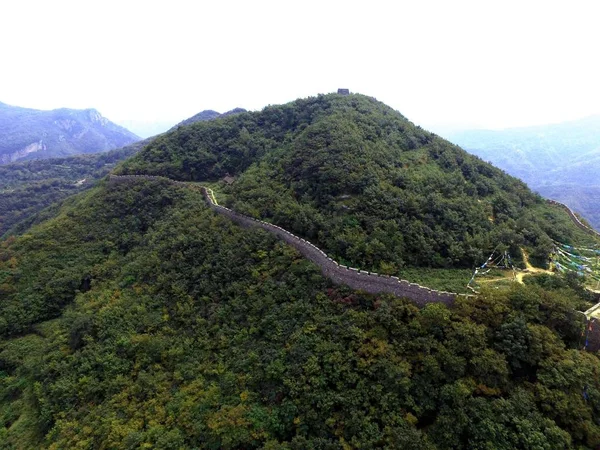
(529, 269)
(517, 275)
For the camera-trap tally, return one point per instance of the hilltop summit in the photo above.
(360, 180)
(207, 114)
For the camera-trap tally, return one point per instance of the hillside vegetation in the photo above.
(27, 187)
(34, 134)
(560, 161)
(137, 317)
(362, 182)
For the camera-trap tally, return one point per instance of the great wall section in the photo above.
(574, 217)
(371, 282)
(355, 278)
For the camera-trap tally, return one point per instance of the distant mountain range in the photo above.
(33, 134)
(27, 187)
(146, 128)
(560, 161)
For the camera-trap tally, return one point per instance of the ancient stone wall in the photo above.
(355, 278)
(575, 219)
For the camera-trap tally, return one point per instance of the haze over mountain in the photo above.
(560, 161)
(34, 134)
(27, 187)
(135, 316)
(146, 128)
(149, 128)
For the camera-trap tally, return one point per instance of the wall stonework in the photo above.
(574, 217)
(373, 283)
(354, 278)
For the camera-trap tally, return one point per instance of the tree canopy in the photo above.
(134, 316)
(138, 318)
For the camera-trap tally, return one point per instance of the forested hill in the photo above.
(360, 181)
(27, 187)
(33, 134)
(561, 161)
(134, 316)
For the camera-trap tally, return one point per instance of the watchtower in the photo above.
(344, 91)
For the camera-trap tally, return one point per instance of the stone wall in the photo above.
(575, 219)
(371, 282)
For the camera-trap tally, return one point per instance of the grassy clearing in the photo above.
(451, 280)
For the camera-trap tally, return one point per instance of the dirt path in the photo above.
(508, 277)
(519, 274)
(529, 269)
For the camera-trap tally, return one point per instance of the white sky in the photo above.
(440, 63)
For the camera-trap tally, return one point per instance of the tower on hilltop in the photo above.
(344, 91)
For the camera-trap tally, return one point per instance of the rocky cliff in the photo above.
(33, 134)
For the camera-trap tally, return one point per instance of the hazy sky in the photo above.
(440, 63)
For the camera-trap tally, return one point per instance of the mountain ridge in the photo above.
(30, 134)
(29, 186)
(355, 278)
(560, 160)
(285, 167)
(207, 114)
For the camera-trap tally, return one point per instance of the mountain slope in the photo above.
(32, 134)
(361, 182)
(174, 327)
(560, 161)
(28, 187)
(136, 317)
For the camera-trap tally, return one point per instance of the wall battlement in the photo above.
(574, 217)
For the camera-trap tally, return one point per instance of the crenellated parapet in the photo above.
(355, 278)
